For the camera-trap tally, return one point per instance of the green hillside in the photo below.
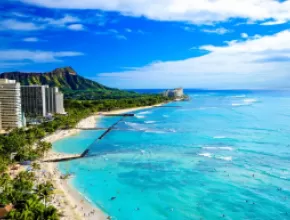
(73, 85)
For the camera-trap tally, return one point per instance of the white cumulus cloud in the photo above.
(15, 25)
(220, 31)
(244, 35)
(36, 56)
(194, 11)
(31, 39)
(76, 27)
(263, 62)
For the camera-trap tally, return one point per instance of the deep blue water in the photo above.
(223, 155)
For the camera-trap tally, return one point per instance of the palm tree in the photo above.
(44, 191)
(44, 147)
(51, 213)
(35, 166)
(5, 179)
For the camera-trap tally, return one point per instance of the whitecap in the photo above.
(238, 104)
(219, 148)
(226, 148)
(135, 126)
(229, 158)
(155, 131)
(149, 122)
(219, 137)
(249, 101)
(245, 102)
(239, 96)
(144, 113)
(140, 116)
(172, 130)
(205, 155)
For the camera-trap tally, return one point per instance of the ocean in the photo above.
(221, 155)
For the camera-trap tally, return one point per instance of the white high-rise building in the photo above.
(54, 101)
(0, 117)
(10, 100)
(59, 108)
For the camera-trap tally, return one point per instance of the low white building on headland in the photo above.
(178, 92)
(175, 93)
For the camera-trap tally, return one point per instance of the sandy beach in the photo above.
(67, 199)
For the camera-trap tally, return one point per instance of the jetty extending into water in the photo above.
(63, 158)
(100, 129)
(120, 115)
(168, 106)
(106, 131)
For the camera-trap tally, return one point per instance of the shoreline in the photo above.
(70, 201)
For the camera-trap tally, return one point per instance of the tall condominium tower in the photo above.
(41, 100)
(10, 100)
(33, 100)
(54, 101)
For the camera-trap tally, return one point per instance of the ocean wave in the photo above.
(172, 130)
(142, 127)
(219, 148)
(209, 155)
(144, 113)
(165, 116)
(219, 137)
(229, 158)
(205, 155)
(239, 96)
(160, 131)
(245, 102)
(249, 101)
(149, 122)
(136, 126)
(139, 116)
(155, 131)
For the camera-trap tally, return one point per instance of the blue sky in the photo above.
(222, 44)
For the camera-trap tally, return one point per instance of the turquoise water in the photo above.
(223, 155)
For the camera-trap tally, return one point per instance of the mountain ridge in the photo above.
(66, 78)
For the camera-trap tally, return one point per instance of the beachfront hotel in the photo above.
(54, 101)
(41, 100)
(10, 99)
(33, 100)
(175, 93)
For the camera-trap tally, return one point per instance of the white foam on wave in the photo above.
(226, 148)
(144, 113)
(237, 104)
(149, 122)
(245, 102)
(155, 131)
(239, 96)
(219, 148)
(135, 126)
(140, 116)
(249, 101)
(219, 137)
(229, 158)
(205, 155)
